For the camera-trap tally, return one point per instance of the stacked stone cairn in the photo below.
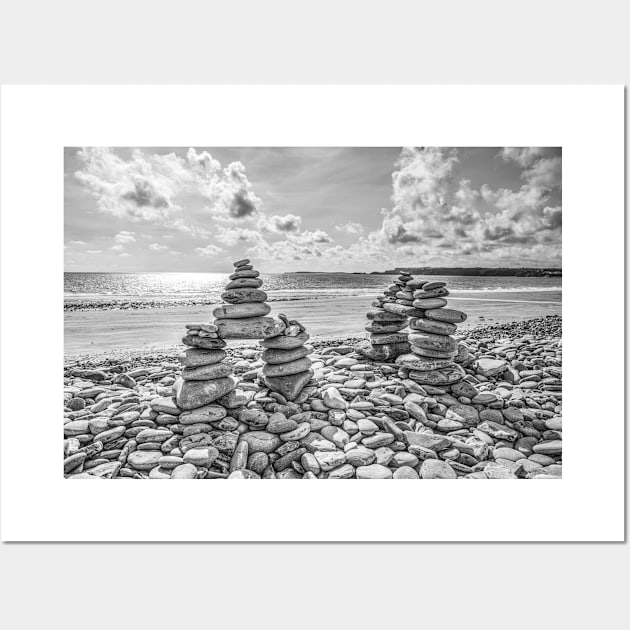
(434, 350)
(287, 367)
(387, 322)
(243, 316)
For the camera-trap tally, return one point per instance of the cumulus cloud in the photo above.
(125, 237)
(279, 224)
(148, 187)
(436, 216)
(156, 247)
(310, 238)
(350, 227)
(232, 235)
(95, 251)
(209, 250)
(78, 243)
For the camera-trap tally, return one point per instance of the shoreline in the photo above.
(171, 351)
(98, 331)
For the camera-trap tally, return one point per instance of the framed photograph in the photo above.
(331, 283)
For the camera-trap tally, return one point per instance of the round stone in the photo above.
(243, 296)
(436, 469)
(406, 472)
(423, 364)
(430, 303)
(286, 369)
(285, 342)
(430, 341)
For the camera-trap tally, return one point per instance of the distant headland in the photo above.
(518, 272)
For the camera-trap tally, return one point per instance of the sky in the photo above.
(311, 209)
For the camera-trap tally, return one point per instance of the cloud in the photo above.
(149, 187)
(232, 235)
(435, 216)
(77, 243)
(125, 237)
(209, 250)
(310, 238)
(350, 228)
(156, 247)
(117, 248)
(276, 223)
(95, 251)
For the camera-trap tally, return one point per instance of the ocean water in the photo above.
(114, 290)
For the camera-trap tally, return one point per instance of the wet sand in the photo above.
(88, 332)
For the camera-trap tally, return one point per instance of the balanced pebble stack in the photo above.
(206, 375)
(387, 339)
(243, 315)
(287, 367)
(433, 349)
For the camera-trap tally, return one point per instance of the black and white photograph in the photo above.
(312, 313)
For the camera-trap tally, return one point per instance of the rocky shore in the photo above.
(354, 418)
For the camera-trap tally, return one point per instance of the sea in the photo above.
(149, 290)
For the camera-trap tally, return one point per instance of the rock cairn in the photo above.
(287, 367)
(355, 419)
(433, 348)
(206, 375)
(387, 322)
(243, 316)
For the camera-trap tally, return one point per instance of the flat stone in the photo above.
(285, 342)
(434, 284)
(244, 283)
(274, 356)
(423, 364)
(240, 311)
(243, 296)
(490, 367)
(385, 316)
(328, 460)
(249, 327)
(203, 457)
(166, 404)
(203, 342)
(287, 369)
(466, 414)
(507, 453)
(389, 338)
(193, 394)
(261, 441)
(430, 303)
(144, 460)
(289, 386)
(446, 315)
(195, 357)
(244, 273)
(241, 263)
(383, 352)
(427, 440)
(207, 372)
(385, 327)
(254, 418)
(441, 343)
(203, 415)
(361, 456)
(443, 376)
(373, 471)
(494, 470)
(431, 326)
(552, 447)
(400, 309)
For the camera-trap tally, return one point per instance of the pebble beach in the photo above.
(355, 418)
